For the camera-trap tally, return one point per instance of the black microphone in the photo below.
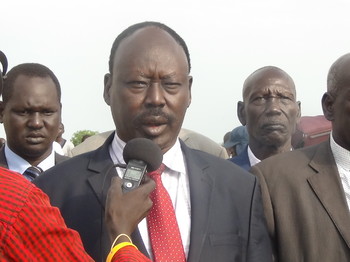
(141, 155)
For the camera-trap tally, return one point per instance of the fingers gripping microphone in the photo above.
(141, 155)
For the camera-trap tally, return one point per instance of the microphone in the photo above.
(141, 155)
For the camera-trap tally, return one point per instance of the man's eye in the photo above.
(22, 112)
(48, 113)
(171, 85)
(138, 84)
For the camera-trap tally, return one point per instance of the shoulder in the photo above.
(220, 169)
(15, 191)
(198, 141)
(285, 166)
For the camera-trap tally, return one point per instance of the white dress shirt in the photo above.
(18, 164)
(342, 159)
(175, 180)
(252, 158)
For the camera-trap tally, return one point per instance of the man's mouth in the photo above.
(35, 138)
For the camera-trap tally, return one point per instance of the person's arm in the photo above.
(39, 233)
(124, 211)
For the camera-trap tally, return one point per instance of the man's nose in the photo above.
(274, 105)
(35, 120)
(155, 94)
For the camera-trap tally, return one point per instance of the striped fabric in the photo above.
(30, 228)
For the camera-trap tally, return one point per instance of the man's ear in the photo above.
(328, 105)
(107, 84)
(299, 110)
(2, 112)
(190, 81)
(241, 113)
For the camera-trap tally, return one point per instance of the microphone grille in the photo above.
(145, 150)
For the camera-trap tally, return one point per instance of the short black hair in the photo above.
(132, 29)
(338, 76)
(31, 70)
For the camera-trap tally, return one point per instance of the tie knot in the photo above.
(157, 172)
(32, 172)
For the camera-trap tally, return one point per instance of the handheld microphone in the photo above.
(141, 155)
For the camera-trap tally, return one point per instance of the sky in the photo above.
(227, 40)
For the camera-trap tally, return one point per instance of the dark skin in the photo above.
(124, 211)
(270, 111)
(31, 117)
(149, 89)
(336, 101)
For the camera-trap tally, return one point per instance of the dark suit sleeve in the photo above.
(259, 246)
(266, 203)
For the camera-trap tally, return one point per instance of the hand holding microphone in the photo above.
(128, 199)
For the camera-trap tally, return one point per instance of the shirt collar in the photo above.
(18, 164)
(173, 158)
(252, 158)
(341, 155)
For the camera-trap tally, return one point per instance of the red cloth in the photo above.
(30, 228)
(163, 229)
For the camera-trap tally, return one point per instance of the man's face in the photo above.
(338, 111)
(150, 89)
(270, 110)
(31, 117)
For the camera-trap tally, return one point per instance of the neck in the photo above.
(265, 151)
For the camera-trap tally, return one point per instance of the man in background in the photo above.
(66, 145)
(214, 207)
(270, 112)
(306, 191)
(31, 114)
(236, 141)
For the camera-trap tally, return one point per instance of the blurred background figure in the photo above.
(236, 141)
(66, 145)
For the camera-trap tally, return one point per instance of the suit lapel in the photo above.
(327, 186)
(101, 164)
(201, 185)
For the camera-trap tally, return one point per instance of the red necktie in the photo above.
(163, 229)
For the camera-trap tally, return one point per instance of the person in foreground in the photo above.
(270, 112)
(306, 193)
(32, 230)
(214, 206)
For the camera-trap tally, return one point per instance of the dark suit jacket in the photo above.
(305, 205)
(227, 222)
(3, 162)
(242, 159)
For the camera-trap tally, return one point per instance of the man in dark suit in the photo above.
(270, 112)
(31, 114)
(217, 205)
(306, 192)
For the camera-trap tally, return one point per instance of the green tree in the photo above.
(78, 136)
